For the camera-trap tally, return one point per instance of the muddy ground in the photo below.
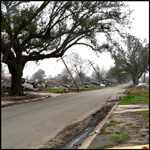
(77, 129)
(126, 129)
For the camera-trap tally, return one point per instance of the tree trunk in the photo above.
(16, 83)
(81, 79)
(119, 79)
(135, 80)
(144, 77)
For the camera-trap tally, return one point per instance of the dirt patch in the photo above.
(139, 90)
(126, 129)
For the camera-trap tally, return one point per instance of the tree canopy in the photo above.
(40, 75)
(32, 32)
(133, 58)
(118, 74)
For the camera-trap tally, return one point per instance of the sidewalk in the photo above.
(120, 121)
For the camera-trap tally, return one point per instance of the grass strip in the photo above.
(135, 99)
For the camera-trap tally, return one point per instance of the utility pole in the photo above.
(91, 63)
(70, 73)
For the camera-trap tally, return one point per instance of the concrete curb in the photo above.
(125, 111)
(92, 135)
(10, 103)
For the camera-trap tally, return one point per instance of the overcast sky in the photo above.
(140, 28)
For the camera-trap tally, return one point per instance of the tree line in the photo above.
(79, 68)
(31, 32)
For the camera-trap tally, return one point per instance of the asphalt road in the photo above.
(29, 125)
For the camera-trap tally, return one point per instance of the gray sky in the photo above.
(140, 28)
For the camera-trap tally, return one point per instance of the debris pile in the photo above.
(139, 90)
(3, 93)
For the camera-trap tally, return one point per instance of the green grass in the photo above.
(128, 90)
(119, 138)
(61, 89)
(104, 132)
(54, 90)
(111, 124)
(128, 124)
(114, 121)
(83, 87)
(98, 87)
(90, 87)
(135, 99)
(145, 112)
(146, 120)
(109, 145)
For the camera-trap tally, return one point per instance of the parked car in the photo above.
(107, 82)
(140, 84)
(97, 83)
(102, 84)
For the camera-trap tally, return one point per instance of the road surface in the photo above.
(30, 125)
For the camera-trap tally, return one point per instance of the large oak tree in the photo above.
(132, 57)
(32, 32)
